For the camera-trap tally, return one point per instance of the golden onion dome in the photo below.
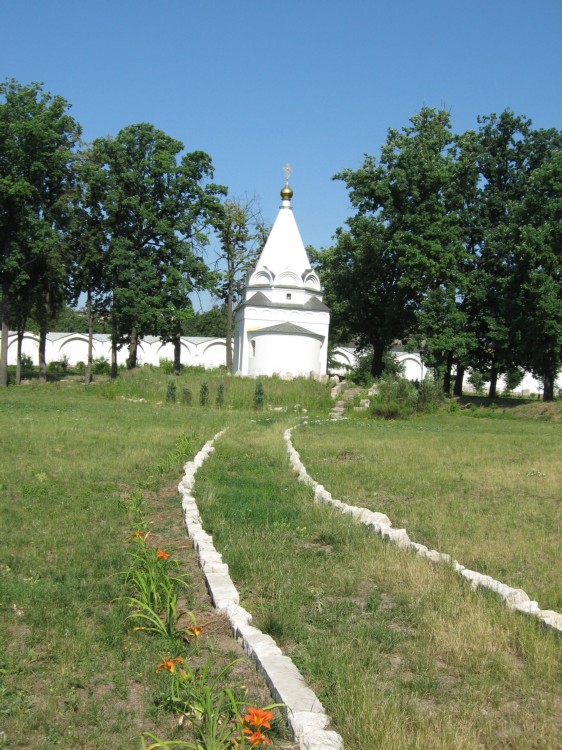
(286, 192)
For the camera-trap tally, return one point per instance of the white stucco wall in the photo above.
(195, 351)
(284, 355)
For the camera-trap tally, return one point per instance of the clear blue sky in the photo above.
(258, 83)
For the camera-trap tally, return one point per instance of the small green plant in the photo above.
(220, 395)
(259, 395)
(26, 363)
(513, 379)
(59, 366)
(204, 394)
(215, 716)
(171, 390)
(477, 381)
(186, 396)
(101, 366)
(167, 366)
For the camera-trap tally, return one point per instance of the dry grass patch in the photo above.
(486, 491)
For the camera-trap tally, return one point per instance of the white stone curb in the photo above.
(516, 599)
(304, 712)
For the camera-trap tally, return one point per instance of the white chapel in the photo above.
(281, 325)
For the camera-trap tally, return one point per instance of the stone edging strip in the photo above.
(304, 712)
(515, 599)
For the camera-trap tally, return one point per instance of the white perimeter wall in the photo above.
(211, 352)
(195, 351)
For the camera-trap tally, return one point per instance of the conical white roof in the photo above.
(284, 249)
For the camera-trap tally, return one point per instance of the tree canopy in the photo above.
(454, 247)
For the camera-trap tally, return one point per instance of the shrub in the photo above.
(398, 398)
(186, 396)
(167, 366)
(204, 394)
(259, 395)
(430, 395)
(26, 362)
(513, 379)
(80, 368)
(361, 373)
(477, 381)
(58, 365)
(101, 366)
(171, 390)
(220, 395)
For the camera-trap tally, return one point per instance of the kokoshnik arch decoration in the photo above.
(281, 325)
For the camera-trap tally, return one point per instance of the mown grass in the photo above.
(73, 674)
(402, 654)
(487, 491)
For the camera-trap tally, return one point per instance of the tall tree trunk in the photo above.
(21, 331)
(113, 347)
(493, 383)
(459, 377)
(42, 348)
(377, 366)
(447, 374)
(4, 348)
(90, 365)
(229, 301)
(133, 343)
(43, 315)
(177, 352)
(548, 386)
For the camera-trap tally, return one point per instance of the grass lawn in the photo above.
(485, 490)
(402, 654)
(73, 673)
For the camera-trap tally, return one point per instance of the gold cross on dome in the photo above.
(288, 171)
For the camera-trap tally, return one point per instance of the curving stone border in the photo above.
(515, 599)
(304, 712)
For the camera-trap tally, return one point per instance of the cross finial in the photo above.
(288, 171)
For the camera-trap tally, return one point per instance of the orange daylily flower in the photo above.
(257, 717)
(256, 738)
(169, 664)
(140, 535)
(161, 555)
(195, 631)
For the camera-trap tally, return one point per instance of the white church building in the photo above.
(281, 325)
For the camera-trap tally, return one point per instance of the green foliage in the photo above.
(361, 374)
(26, 362)
(101, 366)
(167, 366)
(259, 395)
(220, 395)
(477, 381)
(398, 398)
(513, 379)
(186, 396)
(171, 390)
(209, 323)
(59, 366)
(37, 141)
(204, 393)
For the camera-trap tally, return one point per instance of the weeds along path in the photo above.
(400, 654)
